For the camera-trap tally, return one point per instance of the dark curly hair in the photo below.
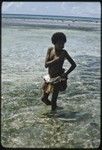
(58, 37)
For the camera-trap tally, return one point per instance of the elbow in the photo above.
(46, 65)
(74, 65)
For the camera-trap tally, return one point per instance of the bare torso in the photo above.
(57, 68)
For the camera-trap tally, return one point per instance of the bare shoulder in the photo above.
(65, 53)
(69, 58)
(50, 49)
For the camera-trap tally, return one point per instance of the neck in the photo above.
(58, 51)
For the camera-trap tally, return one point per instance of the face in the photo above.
(59, 45)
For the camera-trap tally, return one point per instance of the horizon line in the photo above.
(48, 15)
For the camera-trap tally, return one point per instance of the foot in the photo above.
(54, 108)
(46, 101)
(53, 111)
(58, 107)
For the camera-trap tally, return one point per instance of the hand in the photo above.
(64, 75)
(56, 58)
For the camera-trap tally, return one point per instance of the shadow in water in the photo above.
(67, 116)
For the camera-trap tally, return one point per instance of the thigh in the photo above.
(56, 87)
(47, 88)
(55, 91)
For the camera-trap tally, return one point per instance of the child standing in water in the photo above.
(56, 80)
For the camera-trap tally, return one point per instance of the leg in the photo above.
(54, 98)
(45, 99)
(45, 94)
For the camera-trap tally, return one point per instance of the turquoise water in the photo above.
(26, 121)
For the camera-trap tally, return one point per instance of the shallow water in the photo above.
(26, 121)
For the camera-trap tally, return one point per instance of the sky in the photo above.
(82, 9)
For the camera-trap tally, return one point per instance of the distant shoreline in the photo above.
(47, 21)
(51, 23)
(32, 16)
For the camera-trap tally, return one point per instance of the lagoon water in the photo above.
(26, 121)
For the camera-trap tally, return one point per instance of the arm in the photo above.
(49, 62)
(73, 64)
